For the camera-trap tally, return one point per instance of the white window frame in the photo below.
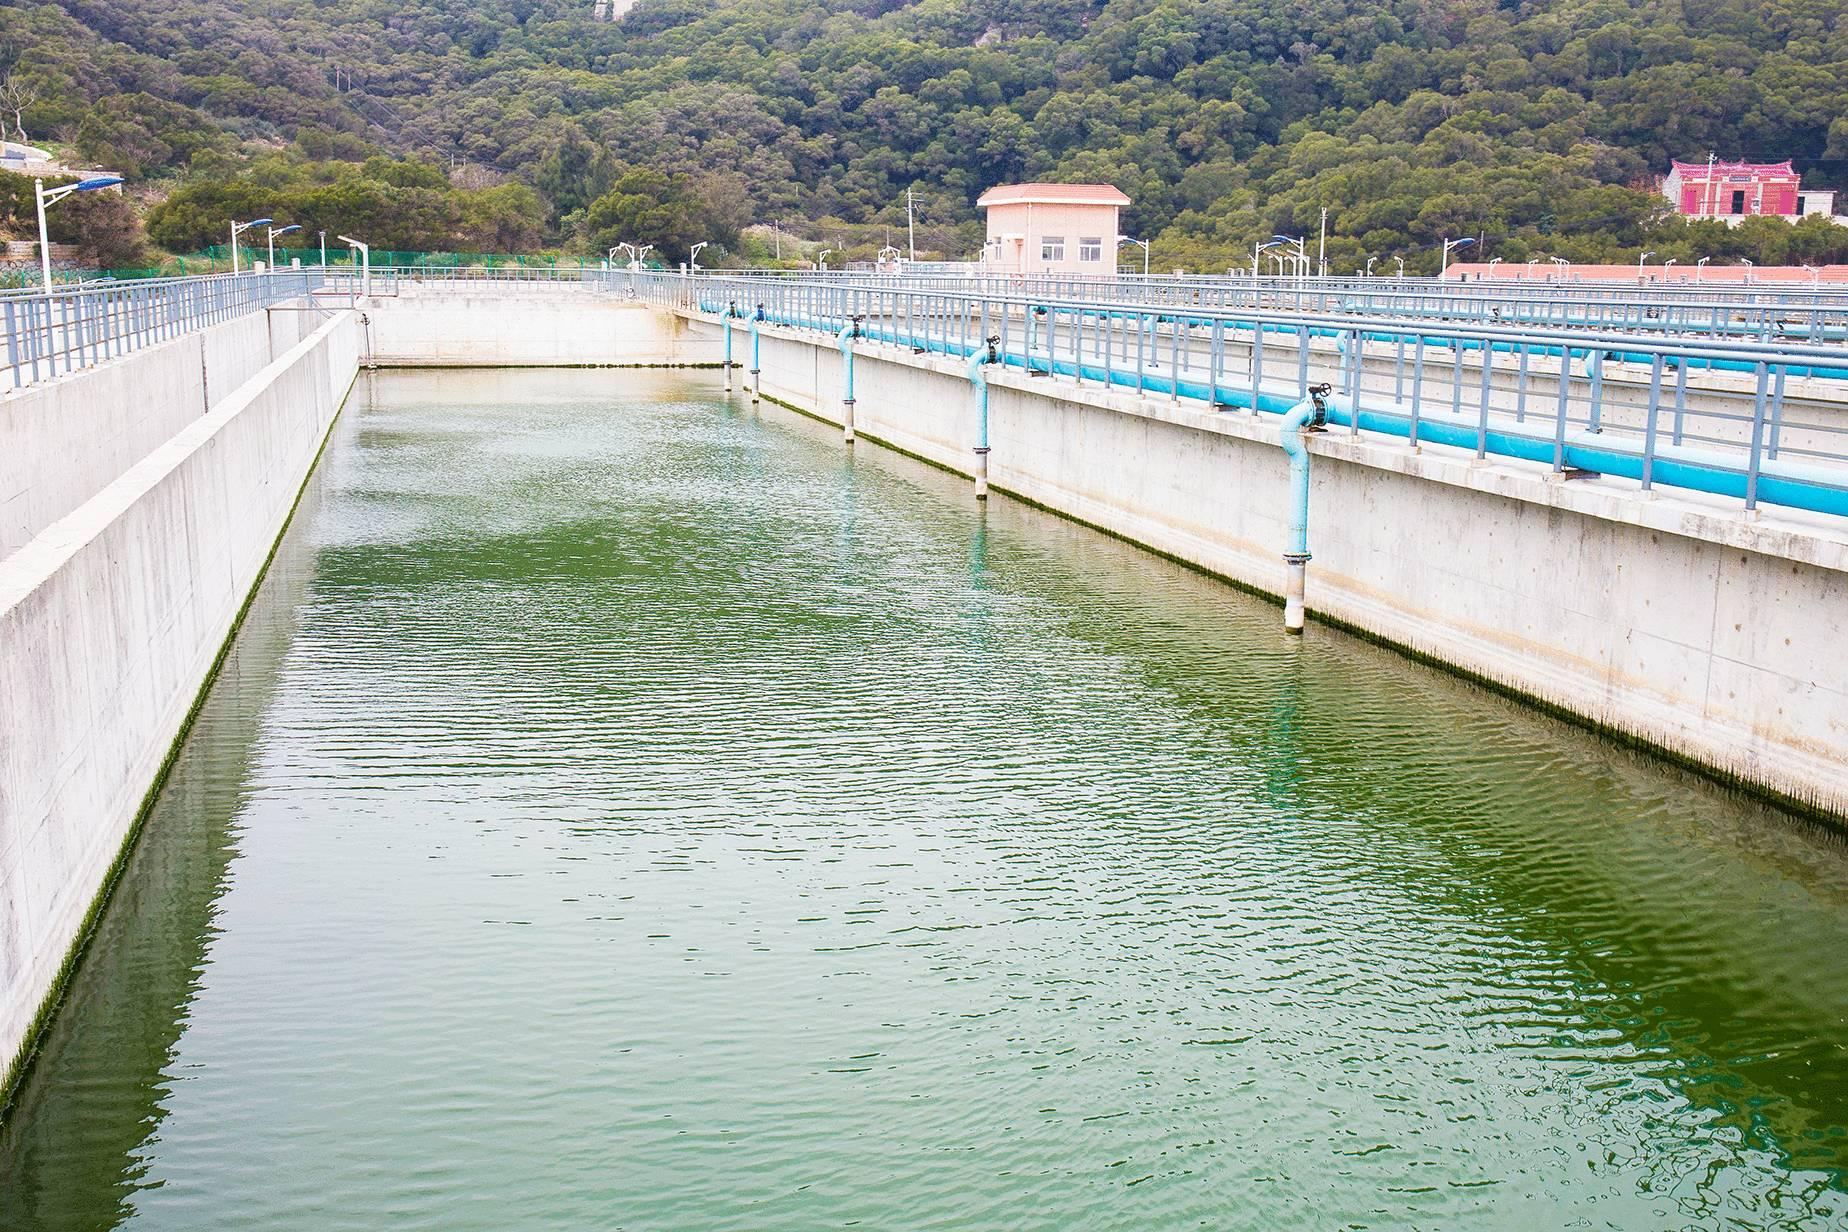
(1090, 248)
(1052, 248)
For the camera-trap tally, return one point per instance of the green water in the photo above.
(623, 810)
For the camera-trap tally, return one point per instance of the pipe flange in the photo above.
(981, 449)
(1297, 558)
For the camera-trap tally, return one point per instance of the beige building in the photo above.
(1051, 228)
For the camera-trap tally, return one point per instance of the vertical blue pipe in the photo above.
(844, 339)
(978, 377)
(756, 353)
(1300, 418)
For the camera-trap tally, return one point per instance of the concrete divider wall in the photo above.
(1702, 631)
(67, 438)
(110, 621)
(525, 324)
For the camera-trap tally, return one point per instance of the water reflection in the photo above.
(662, 819)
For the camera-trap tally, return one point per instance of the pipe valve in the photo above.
(1319, 394)
(994, 348)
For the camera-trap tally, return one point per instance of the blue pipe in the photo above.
(756, 353)
(978, 377)
(844, 340)
(1301, 418)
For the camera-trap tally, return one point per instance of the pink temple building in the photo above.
(1732, 192)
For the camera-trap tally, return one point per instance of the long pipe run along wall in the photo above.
(110, 622)
(1703, 633)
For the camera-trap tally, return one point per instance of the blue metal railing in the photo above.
(1753, 421)
(78, 327)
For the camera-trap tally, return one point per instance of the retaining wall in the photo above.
(515, 324)
(67, 438)
(112, 616)
(1688, 624)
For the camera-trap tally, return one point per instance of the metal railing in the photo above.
(1752, 421)
(79, 327)
(1763, 312)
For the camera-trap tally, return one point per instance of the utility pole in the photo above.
(1321, 247)
(776, 230)
(911, 226)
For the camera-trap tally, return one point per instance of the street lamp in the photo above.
(1370, 261)
(1492, 264)
(1639, 264)
(273, 233)
(1815, 276)
(1401, 261)
(51, 198)
(1531, 262)
(821, 260)
(237, 229)
(693, 255)
(1747, 262)
(629, 248)
(1301, 255)
(1451, 246)
(365, 262)
(1124, 239)
(1562, 265)
(1699, 266)
(1667, 266)
(1257, 257)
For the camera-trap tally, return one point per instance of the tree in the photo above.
(16, 94)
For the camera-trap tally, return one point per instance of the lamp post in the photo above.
(47, 199)
(1401, 261)
(1531, 262)
(624, 247)
(365, 263)
(1815, 277)
(1639, 264)
(237, 229)
(1747, 262)
(693, 255)
(1300, 256)
(1562, 265)
(1667, 266)
(1369, 270)
(1144, 244)
(1492, 264)
(1257, 256)
(1700, 266)
(640, 254)
(273, 233)
(1451, 246)
(323, 250)
(821, 260)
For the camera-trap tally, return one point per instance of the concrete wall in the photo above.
(66, 439)
(1706, 632)
(110, 621)
(531, 324)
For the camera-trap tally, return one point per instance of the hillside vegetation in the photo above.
(1535, 126)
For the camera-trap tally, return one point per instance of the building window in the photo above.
(1052, 248)
(1091, 248)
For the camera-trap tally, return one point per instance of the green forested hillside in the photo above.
(1536, 126)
